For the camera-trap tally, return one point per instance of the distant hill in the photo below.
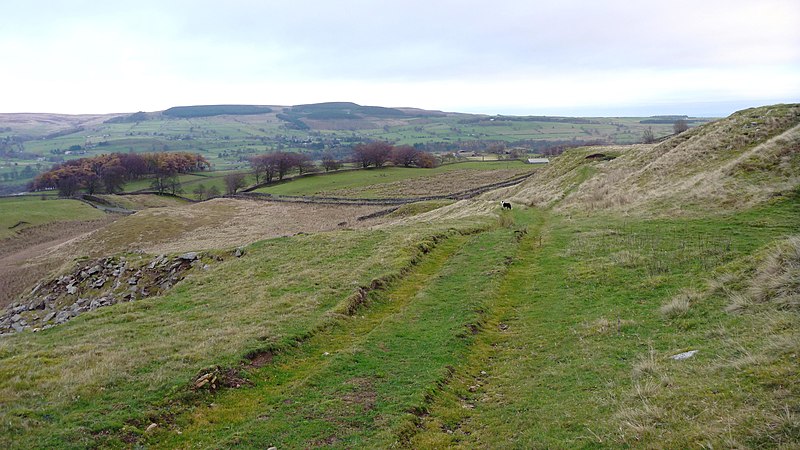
(227, 135)
(215, 110)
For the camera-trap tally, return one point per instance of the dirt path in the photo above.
(20, 262)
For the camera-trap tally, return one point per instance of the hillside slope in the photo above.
(626, 307)
(738, 161)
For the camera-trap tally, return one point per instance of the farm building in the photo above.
(538, 160)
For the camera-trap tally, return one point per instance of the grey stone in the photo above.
(71, 289)
(16, 318)
(684, 355)
(95, 304)
(19, 309)
(63, 316)
(37, 303)
(94, 270)
(239, 252)
(100, 282)
(17, 327)
(190, 256)
(49, 316)
(133, 281)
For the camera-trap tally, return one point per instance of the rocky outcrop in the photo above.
(96, 284)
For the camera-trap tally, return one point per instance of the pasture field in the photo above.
(30, 211)
(189, 182)
(559, 317)
(393, 181)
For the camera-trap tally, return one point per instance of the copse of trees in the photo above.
(379, 153)
(110, 172)
(271, 165)
(372, 154)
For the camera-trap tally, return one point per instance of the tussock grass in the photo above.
(679, 304)
(777, 279)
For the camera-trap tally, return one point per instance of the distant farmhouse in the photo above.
(538, 160)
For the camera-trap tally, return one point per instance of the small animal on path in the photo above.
(506, 205)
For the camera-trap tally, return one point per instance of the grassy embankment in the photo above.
(34, 211)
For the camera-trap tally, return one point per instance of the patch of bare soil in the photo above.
(20, 262)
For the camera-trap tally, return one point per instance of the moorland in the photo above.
(636, 295)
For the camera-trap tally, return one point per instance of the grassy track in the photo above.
(576, 351)
(358, 383)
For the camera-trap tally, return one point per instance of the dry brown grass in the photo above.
(777, 279)
(20, 265)
(679, 305)
(218, 223)
(735, 162)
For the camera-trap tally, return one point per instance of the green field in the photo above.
(313, 185)
(453, 324)
(226, 141)
(35, 211)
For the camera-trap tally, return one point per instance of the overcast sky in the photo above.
(565, 57)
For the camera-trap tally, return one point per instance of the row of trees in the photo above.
(271, 166)
(268, 166)
(379, 153)
(110, 172)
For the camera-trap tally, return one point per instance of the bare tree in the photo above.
(404, 155)
(647, 136)
(680, 126)
(200, 191)
(330, 163)
(213, 191)
(234, 182)
(374, 153)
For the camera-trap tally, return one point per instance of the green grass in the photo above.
(361, 178)
(35, 211)
(544, 332)
(583, 356)
(357, 383)
(144, 354)
(189, 182)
